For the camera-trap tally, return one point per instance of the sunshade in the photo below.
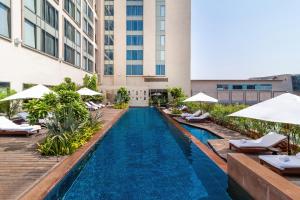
(87, 92)
(284, 108)
(35, 92)
(201, 97)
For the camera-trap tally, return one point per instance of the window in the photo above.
(109, 40)
(69, 54)
(70, 8)
(108, 55)
(160, 70)
(77, 16)
(78, 38)
(109, 10)
(49, 44)
(237, 87)
(162, 10)
(108, 69)
(134, 69)
(90, 14)
(162, 25)
(109, 25)
(134, 55)
(30, 34)
(134, 40)
(162, 55)
(222, 87)
(134, 10)
(4, 21)
(90, 49)
(77, 59)
(69, 31)
(250, 87)
(296, 82)
(162, 40)
(51, 15)
(31, 5)
(134, 25)
(4, 86)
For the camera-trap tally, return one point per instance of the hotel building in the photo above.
(146, 47)
(43, 41)
(141, 45)
(248, 91)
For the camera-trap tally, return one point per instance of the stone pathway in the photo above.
(21, 165)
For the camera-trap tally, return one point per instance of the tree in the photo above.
(122, 95)
(177, 95)
(8, 107)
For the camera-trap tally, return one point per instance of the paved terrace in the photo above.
(21, 166)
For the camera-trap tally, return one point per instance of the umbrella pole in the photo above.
(289, 149)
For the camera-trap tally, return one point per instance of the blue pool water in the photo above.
(143, 157)
(201, 134)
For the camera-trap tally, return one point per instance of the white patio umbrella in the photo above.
(284, 108)
(88, 92)
(201, 97)
(35, 92)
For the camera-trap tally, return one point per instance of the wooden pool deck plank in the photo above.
(21, 166)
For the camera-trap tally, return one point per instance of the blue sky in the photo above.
(245, 38)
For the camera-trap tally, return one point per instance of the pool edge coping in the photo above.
(211, 154)
(40, 188)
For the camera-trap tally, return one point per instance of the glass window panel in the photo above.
(31, 5)
(30, 34)
(4, 20)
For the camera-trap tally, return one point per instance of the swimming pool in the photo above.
(201, 134)
(144, 157)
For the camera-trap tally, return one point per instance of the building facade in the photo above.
(43, 41)
(248, 91)
(146, 47)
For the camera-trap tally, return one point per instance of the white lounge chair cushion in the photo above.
(195, 114)
(204, 116)
(96, 105)
(266, 141)
(7, 125)
(23, 115)
(281, 161)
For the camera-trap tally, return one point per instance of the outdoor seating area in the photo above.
(271, 149)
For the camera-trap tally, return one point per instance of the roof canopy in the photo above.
(284, 108)
(88, 92)
(201, 97)
(35, 92)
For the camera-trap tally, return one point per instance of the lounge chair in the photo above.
(182, 108)
(91, 107)
(282, 164)
(195, 114)
(97, 105)
(8, 127)
(201, 118)
(255, 146)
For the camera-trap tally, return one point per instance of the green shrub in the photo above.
(122, 96)
(121, 105)
(177, 95)
(91, 82)
(176, 111)
(10, 108)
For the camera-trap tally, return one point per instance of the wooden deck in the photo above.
(21, 166)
